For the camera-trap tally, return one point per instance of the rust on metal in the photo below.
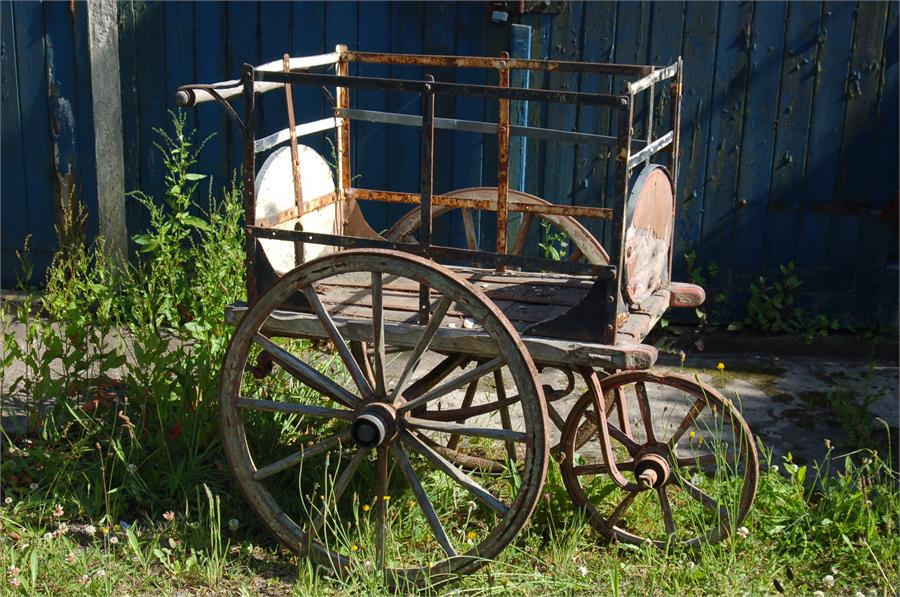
(502, 161)
(343, 144)
(292, 213)
(248, 174)
(295, 157)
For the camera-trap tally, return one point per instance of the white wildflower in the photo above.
(12, 571)
(90, 530)
(774, 468)
(743, 532)
(818, 594)
(582, 570)
(233, 524)
(33, 486)
(58, 511)
(48, 536)
(132, 468)
(113, 540)
(7, 501)
(100, 573)
(828, 580)
(15, 583)
(70, 557)
(85, 579)
(859, 594)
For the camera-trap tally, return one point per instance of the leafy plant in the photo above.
(707, 320)
(555, 245)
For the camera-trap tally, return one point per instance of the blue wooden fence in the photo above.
(789, 145)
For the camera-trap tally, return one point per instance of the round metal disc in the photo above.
(648, 237)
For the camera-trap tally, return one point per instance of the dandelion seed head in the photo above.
(33, 486)
(582, 570)
(233, 524)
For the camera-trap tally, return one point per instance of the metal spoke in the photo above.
(304, 453)
(504, 413)
(522, 234)
(294, 408)
(640, 391)
(622, 411)
(469, 226)
(378, 355)
(424, 503)
(422, 345)
(696, 461)
(454, 473)
(356, 373)
(601, 468)
(704, 498)
(340, 485)
(616, 433)
(688, 420)
(464, 379)
(381, 485)
(506, 435)
(666, 508)
(306, 374)
(620, 509)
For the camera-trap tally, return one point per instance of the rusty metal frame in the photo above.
(605, 301)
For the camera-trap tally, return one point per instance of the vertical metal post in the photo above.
(675, 118)
(295, 160)
(426, 188)
(615, 301)
(652, 90)
(502, 162)
(342, 100)
(248, 176)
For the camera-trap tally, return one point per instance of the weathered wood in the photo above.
(296, 458)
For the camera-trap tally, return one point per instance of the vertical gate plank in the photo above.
(242, 26)
(274, 33)
(797, 77)
(86, 170)
(132, 144)
(209, 65)
(179, 49)
(308, 39)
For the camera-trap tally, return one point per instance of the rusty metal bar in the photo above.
(436, 252)
(291, 213)
(488, 91)
(650, 149)
(650, 123)
(675, 119)
(343, 140)
(475, 126)
(602, 213)
(628, 70)
(295, 156)
(502, 163)
(426, 187)
(301, 130)
(614, 303)
(248, 174)
(655, 76)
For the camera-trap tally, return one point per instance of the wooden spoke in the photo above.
(464, 408)
(356, 373)
(696, 461)
(469, 227)
(294, 408)
(576, 255)
(454, 473)
(622, 411)
(424, 503)
(462, 414)
(621, 508)
(340, 486)
(688, 420)
(522, 235)
(640, 391)
(422, 345)
(506, 435)
(504, 413)
(704, 498)
(601, 468)
(297, 457)
(435, 376)
(666, 509)
(458, 382)
(381, 485)
(378, 356)
(306, 374)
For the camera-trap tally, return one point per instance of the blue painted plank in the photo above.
(758, 143)
(209, 65)
(82, 99)
(822, 165)
(699, 52)
(179, 48)
(242, 26)
(132, 146)
(371, 139)
(308, 39)
(791, 135)
(15, 207)
(723, 142)
(274, 36)
(28, 22)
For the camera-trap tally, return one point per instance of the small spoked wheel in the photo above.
(671, 461)
(340, 444)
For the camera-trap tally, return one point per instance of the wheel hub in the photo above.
(375, 424)
(652, 470)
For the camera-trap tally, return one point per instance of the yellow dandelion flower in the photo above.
(692, 434)
(721, 366)
(366, 507)
(104, 530)
(386, 498)
(471, 534)
(700, 440)
(354, 547)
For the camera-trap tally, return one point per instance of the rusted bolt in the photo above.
(610, 299)
(623, 101)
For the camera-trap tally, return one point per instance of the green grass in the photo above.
(130, 450)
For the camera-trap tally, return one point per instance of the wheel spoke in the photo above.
(506, 435)
(424, 503)
(356, 373)
(640, 391)
(704, 498)
(688, 420)
(601, 468)
(504, 413)
(666, 509)
(381, 485)
(306, 374)
(304, 453)
(458, 382)
(469, 227)
(622, 411)
(621, 508)
(696, 461)
(438, 374)
(464, 407)
(522, 234)
(454, 473)
(616, 433)
(424, 341)
(294, 408)
(378, 355)
(340, 485)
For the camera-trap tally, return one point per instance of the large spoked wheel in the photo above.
(685, 463)
(585, 247)
(338, 450)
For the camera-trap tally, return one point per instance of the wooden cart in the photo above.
(390, 402)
